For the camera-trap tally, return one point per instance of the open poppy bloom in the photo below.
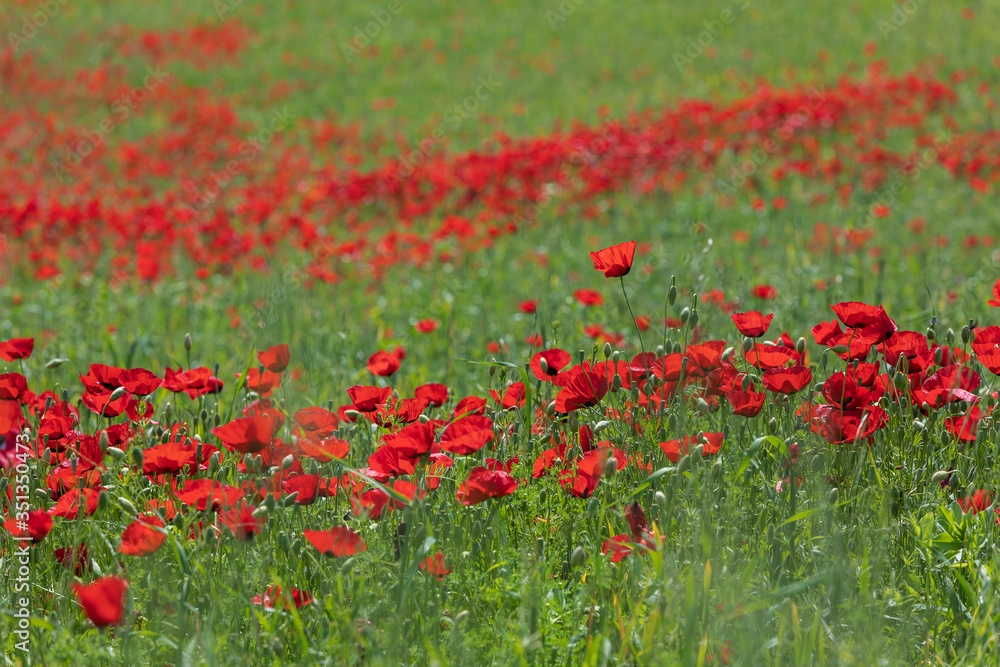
(367, 399)
(274, 359)
(275, 596)
(21, 348)
(751, 323)
(383, 364)
(483, 484)
(674, 449)
(103, 601)
(746, 403)
(588, 297)
(786, 380)
(141, 537)
(426, 326)
(336, 542)
(615, 261)
(139, 381)
(995, 301)
(12, 386)
(247, 435)
(39, 524)
(435, 565)
(585, 390)
(434, 393)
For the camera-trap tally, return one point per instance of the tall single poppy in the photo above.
(615, 261)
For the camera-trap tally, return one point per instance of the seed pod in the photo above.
(55, 363)
(115, 453)
(672, 291)
(685, 315)
(187, 342)
(939, 476)
(693, 321)
(728, 352)
(607, 350)
(616, 382)
(930, 334)
(288, 462)
(747, 345)
(126, 505)
(746, 383)
(966, 333)
(800, 345)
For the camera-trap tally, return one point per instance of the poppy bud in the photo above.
(43, 495)
(939, 355)
(728, 352)
(550, 409)
(288, 462)
(684, 464)
(544, 365)
(966, 333)
(136, 456)
(833, 496)
(770, 532)
(290, 499)
(950, 336)
(607, 350)
(493, 369)
(693, 321)
(672, 292)
(214, 463)
(115, 453)
(600, 426)
(423, 419)
(661, 501)
(747, 345)
(168, 412)
(218, 420)
(772, 425)
(187, 342)
(248, 461)
(702, 406)
(353, 414)
(839, 349)
(260, 511)
(165, 437)
(477, 528)
(580, 356)
(746, 383)
(818, 462)
(610, 467)
(685, 315)
(659, 350)
(204, 416)
(258, 463)
(616, 383)
(47, 456)
(953, 480)
(939, 476)
(899, 381)
(930, 334)
(116, 394)
(578, 558)
(102, 501)
(648, 388)
(716, 470)
(102, 442)
(55, 363)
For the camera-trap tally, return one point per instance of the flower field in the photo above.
(508, 333)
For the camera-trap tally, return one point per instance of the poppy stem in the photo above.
(637, 330)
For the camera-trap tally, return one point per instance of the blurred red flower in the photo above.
(103, 601)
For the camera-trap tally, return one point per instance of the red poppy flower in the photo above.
(786, 380)
(139, 381)
(842, 426)
(948, 385)
(174, 456)
(857, 315)
(74, 501)
(434, 394)
(470, 405)
(964, 427)
(242, 522)
(977, 502)
(746, 403)
(103, 601)
(39, 524)
(766, 292)
(367, 399)
(704, 357)
(588, 297)
(555, 360)
(674, 449)
(585, 390)
(842, 391)
(194, 382)
(751, 323)
(435, 565)
(514, 397)
(247, 435)
(336, 542)
(528, 307)
(636, 519)
(74, 559)
(19, 348)
(467, 435)
(12, 386)
(824, 332)
(995, 301)
(141, 537)
(261, 381)
(382, 364)
(205, 494)
(274, 359)
(318, 422)
(483, 484)
(416, 439)
(620, 547)
(615, 261)
(426, 326)
(766, 357)
(275, 596)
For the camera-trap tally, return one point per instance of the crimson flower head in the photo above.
(21, 348)
(426, 326)
(786, 380)
(588, 297)
(995, 301)
(247, 434)
(751, 323)
(142, 538)
(12, 386)
(274, 359)
(103, 601)
(614, 261)
(336, 542)
(766, 292)
(39, 524)
(528, 307)
(483, 484)
(383, 364)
